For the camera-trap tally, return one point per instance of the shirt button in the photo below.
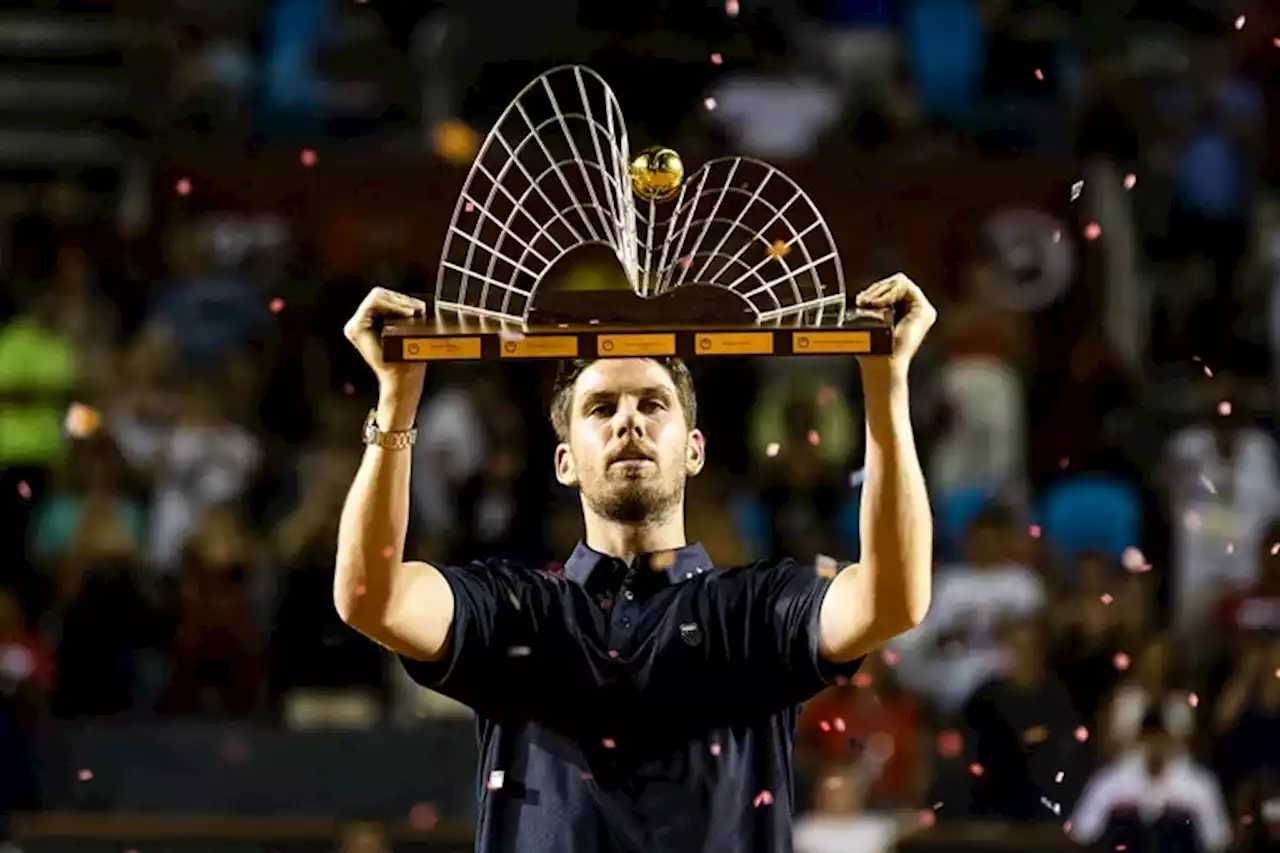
(629, 595)
(624, 622)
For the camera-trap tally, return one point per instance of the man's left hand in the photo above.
(908, 332)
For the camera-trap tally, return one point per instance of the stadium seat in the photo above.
(1090, 513)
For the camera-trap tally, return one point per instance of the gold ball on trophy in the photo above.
(657, 173)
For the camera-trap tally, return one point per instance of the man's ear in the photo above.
(566, 468)
(695, 453)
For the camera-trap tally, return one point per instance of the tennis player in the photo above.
(646, 701)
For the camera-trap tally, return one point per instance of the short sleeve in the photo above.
(508, 622)
(776, 608)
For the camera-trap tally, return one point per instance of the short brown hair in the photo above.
(567, 376)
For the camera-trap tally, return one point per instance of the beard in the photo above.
(634, 501)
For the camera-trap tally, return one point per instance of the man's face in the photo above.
(629, 450)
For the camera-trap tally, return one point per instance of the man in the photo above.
(642, 701)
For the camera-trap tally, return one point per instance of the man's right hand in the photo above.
(398, 383)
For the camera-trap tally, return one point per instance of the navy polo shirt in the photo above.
(633, 709)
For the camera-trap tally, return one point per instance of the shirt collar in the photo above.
(678, 565)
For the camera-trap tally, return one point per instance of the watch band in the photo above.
(395, 439)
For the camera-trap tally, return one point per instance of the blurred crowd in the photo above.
(179, 414)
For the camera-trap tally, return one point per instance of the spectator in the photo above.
(1247, 716)
(1255, 610)
(959, 646)
(1147, 689)
(25, 678)
(837, 726)
(839, 821)
(217, 649)
(1223, 487)
(1023, 727)
(1154, 797)
(774, 111)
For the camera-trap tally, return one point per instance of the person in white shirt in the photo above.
(959, 646)
(1156, 781)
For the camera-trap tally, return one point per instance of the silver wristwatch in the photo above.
(396, 439)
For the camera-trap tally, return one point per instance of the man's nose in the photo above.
(628, 423)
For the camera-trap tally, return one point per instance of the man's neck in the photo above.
(625, 541)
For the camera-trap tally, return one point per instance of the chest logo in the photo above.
(690, 633)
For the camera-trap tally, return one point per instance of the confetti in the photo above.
(1039, 74)
(814, 437)
(1106, 598)
(1276, 42)
(276, 305)
(1059, 776)
(1130, 181)
(1231, 547)
(839, 724)
(1224, 408)
(1057, 236)
(24, 490)
(1207, 371)
(1193, 700)
(496, 780)
(608, 743)
(1134, 560)
(772, 449)
(731, 8)
(308, 157)
(824, 725)
(1064, 462)
(1049, 804)
(613, 653)
(423, 817)
(926, 819)
(889, 656)
(779, 250)
(1081, 734)
(82, 421)
(1191, 520)
(715, 749)
(1121, 661)
(1034, 531)
(84, 775)
(686, 262)
(519, 652)
(709, 103)
(950, 744)
(764, 798)
(976, 769)
(388, 552)
(183, 187)
(863, 680)
(1076, 189)
(1275, 548)
(717, 59)
(1092, 231)
(1240, 22)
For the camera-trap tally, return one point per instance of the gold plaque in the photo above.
(735, 343)
(831, 343)
(441, 349)
(548, 346)
(636, 346)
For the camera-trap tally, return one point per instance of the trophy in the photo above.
(732, 259)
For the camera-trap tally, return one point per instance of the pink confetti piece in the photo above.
(731, 8)
(976, 769)
(1130, 181)
(497, 778)
(1039, 74)
(1034, 531)
(1066, 827)
(950, 744)
(1207, 371)
(1081, 734)
(1092, 231)
(423, 817)
(183, 187)
(613, 653)
(710, 104)
(717, 59)
(1134, 560)
(1193, 700)
(1231, 547)
(308, 157)
(1224, 408)
(715, 749)
(764, 798)
(1106, 598)
(815, 438)
(1121, 661)
(1057, 236)
(84, 775)
(890, 656)
(1275, 548)
(925, 819)
(1059, 776)
(276, 305)
(839, 724)
(608, 743)
(1240, 22)
(1064, 462)
(24, 491)
(388, 552)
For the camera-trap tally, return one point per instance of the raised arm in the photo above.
(404, 606)
(888, 591)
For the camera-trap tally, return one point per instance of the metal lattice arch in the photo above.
(551, 176)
